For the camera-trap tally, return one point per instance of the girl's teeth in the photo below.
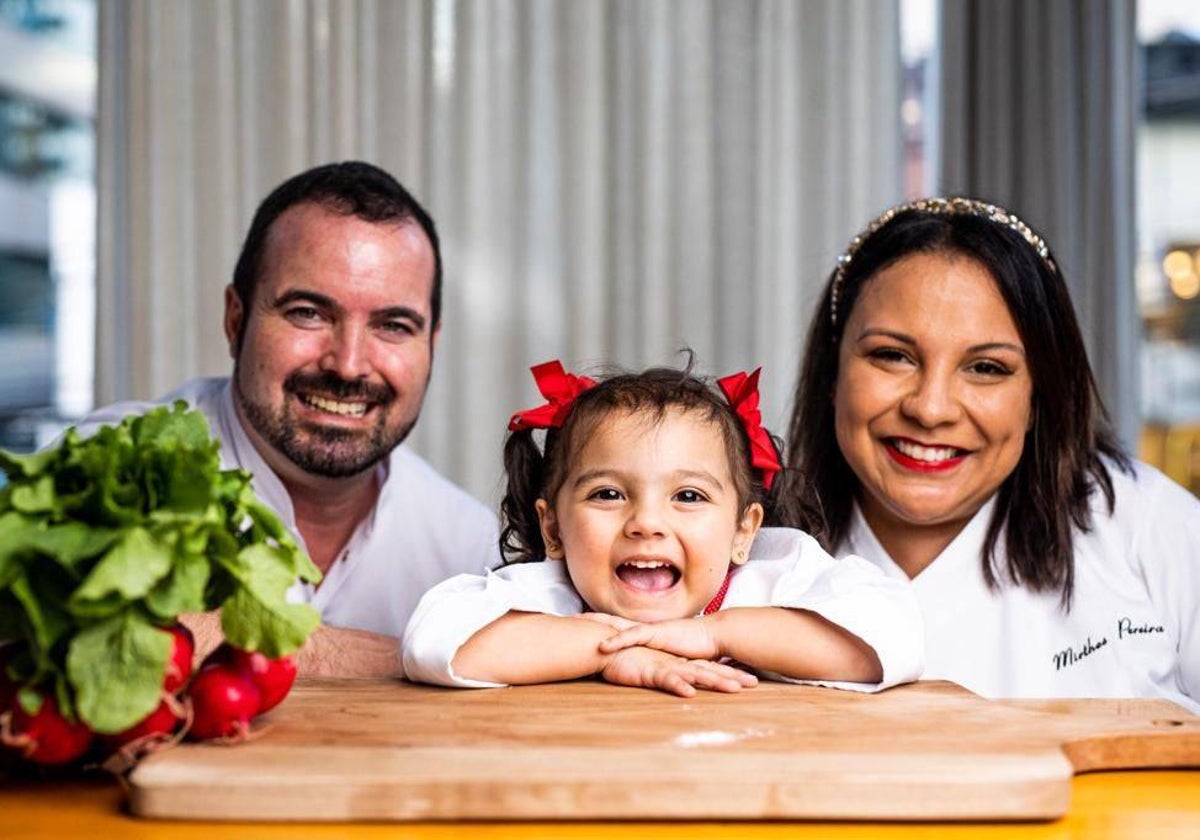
(931, 454)
(345, 409)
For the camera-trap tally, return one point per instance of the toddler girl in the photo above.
(635, 553)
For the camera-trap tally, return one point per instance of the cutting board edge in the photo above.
(395, 784)
(1031, 801)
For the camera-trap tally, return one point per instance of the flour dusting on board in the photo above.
(711, 738)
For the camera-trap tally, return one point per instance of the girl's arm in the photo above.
(522, 648)
(793, 643)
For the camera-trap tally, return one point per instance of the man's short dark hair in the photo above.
(351, 188)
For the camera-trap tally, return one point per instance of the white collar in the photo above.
(962, 555)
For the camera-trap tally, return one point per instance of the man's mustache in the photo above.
(329, 384)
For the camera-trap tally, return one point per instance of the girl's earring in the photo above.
(551, 548)
(739, 557)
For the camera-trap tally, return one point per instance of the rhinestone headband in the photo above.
(938, 207)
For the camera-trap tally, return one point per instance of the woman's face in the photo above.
(933, 395)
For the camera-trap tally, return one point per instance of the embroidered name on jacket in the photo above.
(1125, 628)
(1070, 655)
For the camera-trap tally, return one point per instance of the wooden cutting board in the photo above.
(388, 750)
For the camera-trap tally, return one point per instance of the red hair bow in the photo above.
(741, 389)
(557, 386)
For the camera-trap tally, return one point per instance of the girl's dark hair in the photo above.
(539, 472)
(1047, 497)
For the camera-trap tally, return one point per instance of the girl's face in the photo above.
(933, 395)
(647, 518)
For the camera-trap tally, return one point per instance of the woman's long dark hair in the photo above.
(537, 472)
(1047, 497)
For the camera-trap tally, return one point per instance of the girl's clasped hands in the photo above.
(678, 655)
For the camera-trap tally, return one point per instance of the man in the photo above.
(332, 320)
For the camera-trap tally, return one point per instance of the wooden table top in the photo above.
(1164, 805)
(366, 750)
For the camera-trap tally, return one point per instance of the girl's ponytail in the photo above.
(521, 538)
(526, 466)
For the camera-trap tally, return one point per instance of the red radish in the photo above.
(223, 702)
(46, 737)
(272, 677)
(179, 665)
(161, 723)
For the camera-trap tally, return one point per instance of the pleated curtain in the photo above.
(613, 181)
(1039, 105)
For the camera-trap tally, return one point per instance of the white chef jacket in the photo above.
(1134, 625)
(786, 568)
(422, 530)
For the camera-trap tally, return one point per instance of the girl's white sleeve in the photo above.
(454, 610)
(788, 568)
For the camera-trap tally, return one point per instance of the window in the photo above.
(47, 216)
(918, 112)
(1168, 271)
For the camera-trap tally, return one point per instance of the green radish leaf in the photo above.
(45, 617)
(183, 590)
(257, 616)
(130, 569)
(17, 531)
(62, 694)
(116, 668)
(74, 543)
(30, 699)
(10, 617)
(38, 496)
(28, 466)
(267, 625)
(172, 425)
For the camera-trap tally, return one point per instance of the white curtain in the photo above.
(612, 180)
(1038, 111)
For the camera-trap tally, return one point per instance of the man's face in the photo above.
(336, 344)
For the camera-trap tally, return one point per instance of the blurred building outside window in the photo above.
(47, 216)
(918, 101)
(1168, 269)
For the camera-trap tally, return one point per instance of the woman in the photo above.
(947, 427)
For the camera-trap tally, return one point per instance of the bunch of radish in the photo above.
(107, 539)
(229, 689)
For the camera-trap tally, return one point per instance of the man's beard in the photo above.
(328, 451)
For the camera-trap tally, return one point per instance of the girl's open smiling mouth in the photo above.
(648, 574)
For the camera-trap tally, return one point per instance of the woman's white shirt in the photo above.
(786, 568)
(1133, 629)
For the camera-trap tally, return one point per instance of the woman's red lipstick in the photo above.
(922, 466)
